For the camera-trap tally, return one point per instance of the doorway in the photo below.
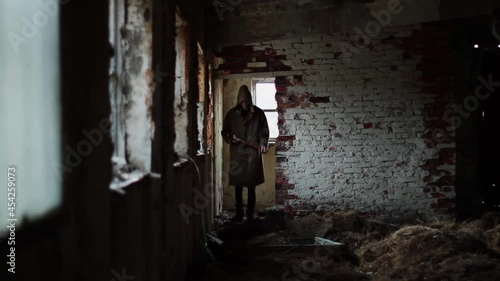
(265, 193)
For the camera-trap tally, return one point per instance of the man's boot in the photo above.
(239, 215)
(250, 211)
(238, 194)
(251, 203)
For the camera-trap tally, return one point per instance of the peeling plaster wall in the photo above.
(138, 83)
(358, 126)
(202, 105)
(181, 120)
(210, 115)
(219, 154)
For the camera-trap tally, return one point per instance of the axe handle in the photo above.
(248, 144)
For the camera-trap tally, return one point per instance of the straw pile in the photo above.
(356, 229)
(438, 251)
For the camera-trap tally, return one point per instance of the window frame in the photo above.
(256, 81)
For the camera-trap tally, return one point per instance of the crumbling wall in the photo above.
(361, 119)
(137, 82)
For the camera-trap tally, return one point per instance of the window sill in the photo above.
(180, 162)
(126, 179)
(124, 175)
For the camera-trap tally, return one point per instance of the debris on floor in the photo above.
(439, 251)
(355, 247)
(355, 229)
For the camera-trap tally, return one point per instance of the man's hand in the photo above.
(234, 139)
(263, 149)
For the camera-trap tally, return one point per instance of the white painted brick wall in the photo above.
(363, 170)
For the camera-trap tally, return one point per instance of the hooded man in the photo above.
(245, 129)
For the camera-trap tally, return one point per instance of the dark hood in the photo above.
(244, 94)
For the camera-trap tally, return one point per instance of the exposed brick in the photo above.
(285, 138)
(447, 155)
(437, 195)
(319, 99)
(353, 121)
(248, 59)
(368, 125)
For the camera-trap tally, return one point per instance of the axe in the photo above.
(236, 139)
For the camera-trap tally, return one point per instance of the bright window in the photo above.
(264, 98)
(30, 142)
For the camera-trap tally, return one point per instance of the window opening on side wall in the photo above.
(264, 91)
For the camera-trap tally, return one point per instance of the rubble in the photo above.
(379, 251)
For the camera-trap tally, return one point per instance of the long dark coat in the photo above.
(246, 166)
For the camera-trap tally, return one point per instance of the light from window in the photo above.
(265, 100)
(30, 159)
